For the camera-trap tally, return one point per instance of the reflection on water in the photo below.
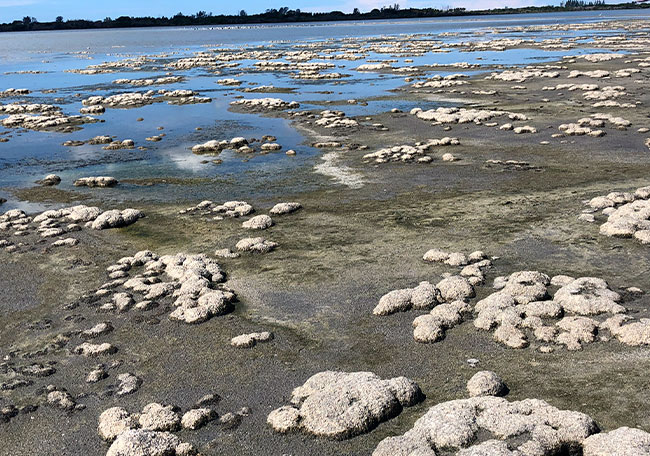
(29, 155)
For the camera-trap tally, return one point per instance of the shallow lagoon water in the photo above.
(29, 155)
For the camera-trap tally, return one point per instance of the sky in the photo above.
(48, 10)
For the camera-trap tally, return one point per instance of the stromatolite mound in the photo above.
(490, 426)
(340, 405)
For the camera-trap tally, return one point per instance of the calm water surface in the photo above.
(29, 155)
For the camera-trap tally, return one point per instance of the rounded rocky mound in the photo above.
(486, 383)
(340, 405)
(492, 426)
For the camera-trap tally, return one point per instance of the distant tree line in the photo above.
(575, 4)
(284, 14)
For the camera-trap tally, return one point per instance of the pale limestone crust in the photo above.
(114, 421)
(486, 383)
(340, 405)
(525, 425)
(623, 441)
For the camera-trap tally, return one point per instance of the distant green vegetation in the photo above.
(285, 14)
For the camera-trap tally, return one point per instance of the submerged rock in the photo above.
(49, 180)
(101, 181)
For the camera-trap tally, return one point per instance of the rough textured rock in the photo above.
(627, 213)
(195, 418)
(61, 399)
(250, 340)
(129, 384)
(284, 419)
(99, 181)
(522, 307)
(588, 296)
(192, 285)
(259, 222)
(432, 327)
(623, 441)
(157, 417)
(486, 383)
(340, 405)
(455, 288)
(114, 421)
(530, 426)
(116, 219)
(91, 350)
(255, 245)
(424, 296)
(137, 442)
(285, 208)
(49, 180)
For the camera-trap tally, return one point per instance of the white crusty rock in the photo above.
(61, 399)
(523, 308)
(433, 326)
(250, 340)
(259, 222)
(284, 419)
(486, 383)
(635, 333)
(49, 180)
(157, 417)
(455, 288)
(340, 405)
(195, 418)
(255, 245)
(114, 421)
(285, 208)
(628, 214)
(623, 441)
(100, 181)
(116, 219)
(424, 296)
(138, 442)
(91, 350)
(529, 427)
(67, 242)
(588, 296)
(129, 383)
(98, 330)
(265, 104)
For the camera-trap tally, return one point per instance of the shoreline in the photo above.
(97, 25)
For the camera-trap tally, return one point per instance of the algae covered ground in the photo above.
(529, 147)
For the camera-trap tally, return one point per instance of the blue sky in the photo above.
(47, 10)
